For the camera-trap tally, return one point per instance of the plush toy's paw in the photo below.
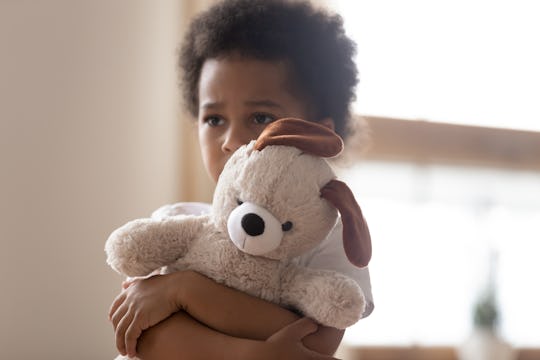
(330, 298)
(129, 248)
(342, 304)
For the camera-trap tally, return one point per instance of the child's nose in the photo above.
(235, 137)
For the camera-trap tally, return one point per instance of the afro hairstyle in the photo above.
(312, 41)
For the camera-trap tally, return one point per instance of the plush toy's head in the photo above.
(276, 196)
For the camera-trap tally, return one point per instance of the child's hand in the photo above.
(142, 304)
(287, 342)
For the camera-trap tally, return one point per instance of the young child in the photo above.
(246, 63)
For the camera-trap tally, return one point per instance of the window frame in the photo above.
(421, 141)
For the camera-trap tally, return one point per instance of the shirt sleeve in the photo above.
(330, 255)
(181, 208)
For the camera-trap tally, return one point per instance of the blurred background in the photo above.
(92, 134)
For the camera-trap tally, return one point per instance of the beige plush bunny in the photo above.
(275, 199)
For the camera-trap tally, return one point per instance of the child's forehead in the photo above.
(255, 69)
(258, 80)
(238, 65)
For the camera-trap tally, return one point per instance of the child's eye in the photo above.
(213, 121)
(263, 119)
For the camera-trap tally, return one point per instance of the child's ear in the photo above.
(329, 123)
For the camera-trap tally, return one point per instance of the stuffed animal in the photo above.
(275, 199)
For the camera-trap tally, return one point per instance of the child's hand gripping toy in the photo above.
(275, 200)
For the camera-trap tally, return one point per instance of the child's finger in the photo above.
(121, 331)
(118, 315)
(116, 303)
(302, 327)
(132, 335)
(127, 283)
(298, 329)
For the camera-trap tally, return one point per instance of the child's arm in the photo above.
(182, 337)
(226, 310)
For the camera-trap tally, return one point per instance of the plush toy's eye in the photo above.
(286, 226)
(239, 202)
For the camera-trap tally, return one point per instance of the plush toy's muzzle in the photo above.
(254, 230)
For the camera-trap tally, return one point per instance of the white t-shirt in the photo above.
(329, 255)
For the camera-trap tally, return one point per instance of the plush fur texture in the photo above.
(287, 183)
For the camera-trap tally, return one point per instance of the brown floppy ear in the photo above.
(356, 238)
(310, 137)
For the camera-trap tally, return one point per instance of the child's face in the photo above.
(238, 97)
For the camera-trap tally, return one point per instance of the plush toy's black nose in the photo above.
(253, 224)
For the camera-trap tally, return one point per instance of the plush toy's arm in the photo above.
(330, 298)
(144, 245)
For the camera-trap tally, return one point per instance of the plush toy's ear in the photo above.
(356, 238)
(310, 137)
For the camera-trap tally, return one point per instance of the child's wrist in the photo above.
(182, 286)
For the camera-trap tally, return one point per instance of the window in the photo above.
(442, 204)
(461, 61)
(435, 228)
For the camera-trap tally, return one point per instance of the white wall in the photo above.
(89, 138)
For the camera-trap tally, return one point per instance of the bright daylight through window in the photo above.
(439, 231)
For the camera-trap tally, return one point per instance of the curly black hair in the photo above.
(311, 40)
